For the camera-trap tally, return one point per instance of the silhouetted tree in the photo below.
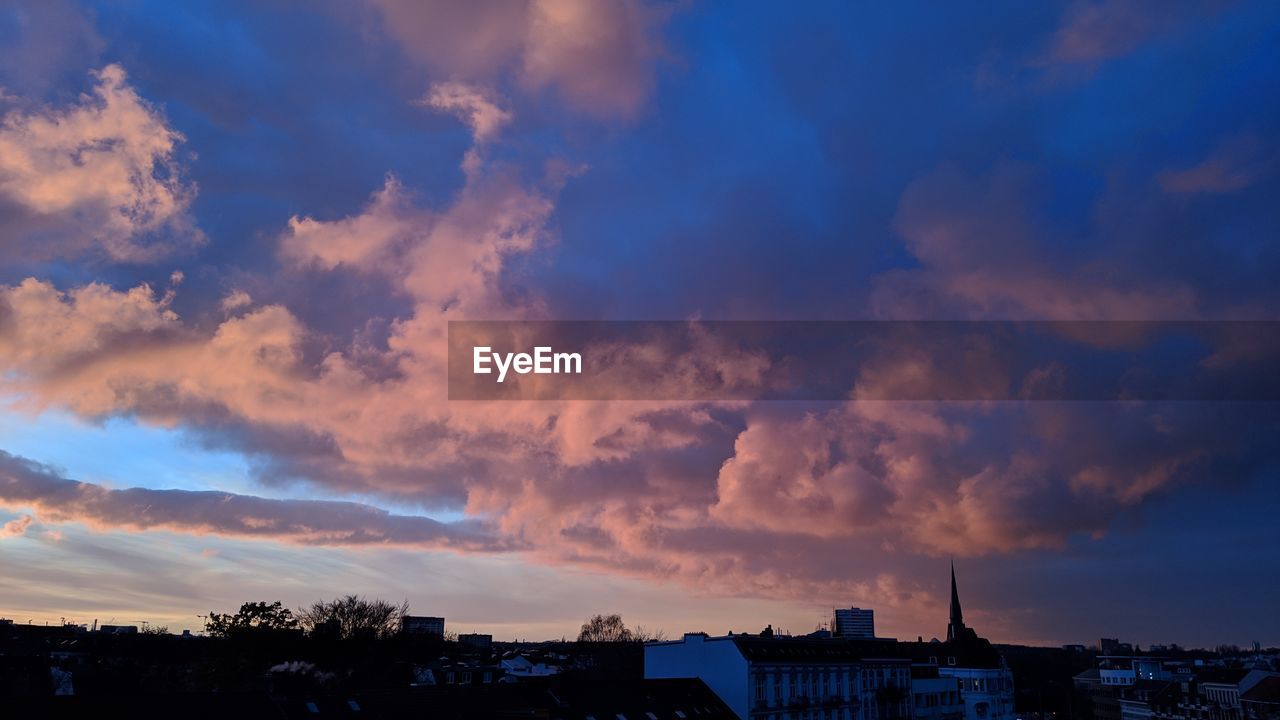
(353, 616)
(604, 628)
(610, 628)
(251, 616)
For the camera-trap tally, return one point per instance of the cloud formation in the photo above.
(104, 168)
(597, 57)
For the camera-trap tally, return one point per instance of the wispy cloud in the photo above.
(310, 522)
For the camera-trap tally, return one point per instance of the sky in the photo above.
(232, 235)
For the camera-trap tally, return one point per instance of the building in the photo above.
(1134, 702)
(1211, 694)
(520, 666)
(422, 625)
(956, 630)
(842, 678)
(853, 623)
(475, 641)
(786, 678)
(1153, 687)
(934, 697)
(1121, 686)
(986, 683)
(1262, 701)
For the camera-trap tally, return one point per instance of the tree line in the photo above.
(347, 617)
(353, 616)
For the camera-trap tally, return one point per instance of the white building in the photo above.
(784, 678)
(987, 691)
(853, 623)
(522, 667)
(934, 697)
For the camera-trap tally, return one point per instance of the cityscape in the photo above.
(354, 657)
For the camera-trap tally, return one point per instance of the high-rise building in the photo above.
(853, 623)
(422, 625)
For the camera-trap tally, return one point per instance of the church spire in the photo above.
(957, 617)
(956, 626)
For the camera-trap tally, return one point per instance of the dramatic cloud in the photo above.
(783, 172)
(98, 174)
(598, 57)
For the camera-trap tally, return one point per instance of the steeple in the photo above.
(957, 617)
(955, 628)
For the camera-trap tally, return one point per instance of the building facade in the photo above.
(785, 678)
(845, 678)
(853, 623)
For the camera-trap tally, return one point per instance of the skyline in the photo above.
(232, 237)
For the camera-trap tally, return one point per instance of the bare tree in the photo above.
(644, 634)
(353, 616)
(605, 628)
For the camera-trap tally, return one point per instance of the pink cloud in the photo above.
(598, 57)
(16, 528)
(729, 497)
(104, 167)
(475, 106)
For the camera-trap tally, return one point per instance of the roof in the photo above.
(1222, 676)
(811, 650)
(1266, 691)
(966, 653)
